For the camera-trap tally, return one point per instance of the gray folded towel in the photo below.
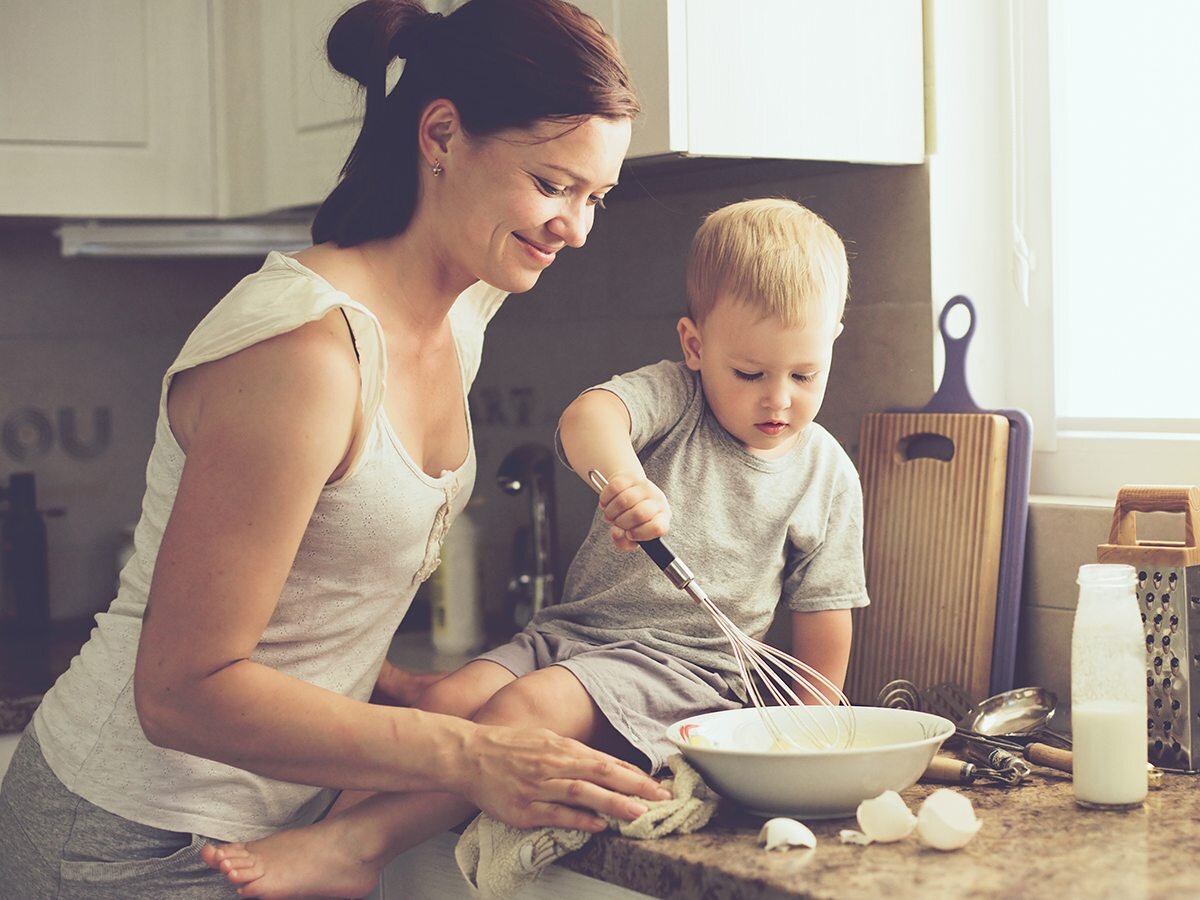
(498, 860)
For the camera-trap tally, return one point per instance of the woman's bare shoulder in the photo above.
(306, 378)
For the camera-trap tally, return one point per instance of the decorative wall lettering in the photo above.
(503, 408)
(72, 442)
(29, 434)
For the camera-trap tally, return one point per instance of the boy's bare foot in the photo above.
(318, 860)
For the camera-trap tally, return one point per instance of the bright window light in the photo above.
(1125, 177)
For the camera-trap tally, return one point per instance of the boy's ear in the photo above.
(690, 341)
(438, 130)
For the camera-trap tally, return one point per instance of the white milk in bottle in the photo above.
(1108, 690)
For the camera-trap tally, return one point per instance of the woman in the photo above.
(312, 448)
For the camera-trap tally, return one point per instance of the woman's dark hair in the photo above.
(503, 63)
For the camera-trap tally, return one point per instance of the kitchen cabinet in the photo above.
(169, 108)
(285, 120)
(105, 108)
(227, 108)
(788, 79)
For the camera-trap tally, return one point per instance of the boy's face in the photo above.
(764, 381)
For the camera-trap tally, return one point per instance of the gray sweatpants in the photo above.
(54, 844)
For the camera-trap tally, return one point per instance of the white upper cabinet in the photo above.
(227, 108)
(169, 108)
(105, 108)
(285, 119)
(788, 79)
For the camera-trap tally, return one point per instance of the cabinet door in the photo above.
(790, 79)
(285, 119)
(652, 35)
(811, 79)
(105, 108)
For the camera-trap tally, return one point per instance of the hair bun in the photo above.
(415, 36)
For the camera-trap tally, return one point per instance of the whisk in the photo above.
(763, 666)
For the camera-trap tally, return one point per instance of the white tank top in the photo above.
(374, 536)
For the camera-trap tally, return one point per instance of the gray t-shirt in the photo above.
(756, 532)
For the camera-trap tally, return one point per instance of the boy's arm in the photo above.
(594, 432)
(822, 639)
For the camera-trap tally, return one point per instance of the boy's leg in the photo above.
(343, 853)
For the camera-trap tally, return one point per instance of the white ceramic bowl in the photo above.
(890, 751)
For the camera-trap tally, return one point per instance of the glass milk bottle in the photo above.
(1108, 690)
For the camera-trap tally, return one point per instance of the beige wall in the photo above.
(612, 306)
(90, 334)
(92, 338)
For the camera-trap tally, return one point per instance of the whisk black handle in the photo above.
(672, 566)
(657, 550)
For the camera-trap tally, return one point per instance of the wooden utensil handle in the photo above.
(1050, 757)
(948, 770)
(1136, 498)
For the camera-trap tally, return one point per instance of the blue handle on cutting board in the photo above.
(953, 396)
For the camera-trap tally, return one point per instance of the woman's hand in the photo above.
(636, 509)
(398, 687)
(533, 777)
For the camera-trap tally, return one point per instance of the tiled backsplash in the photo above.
(83, 345)
(613, 305)
(84, 342)
(1064, 535)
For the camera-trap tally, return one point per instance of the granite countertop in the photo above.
(1035, 842)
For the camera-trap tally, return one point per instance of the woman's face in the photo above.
(514, 199)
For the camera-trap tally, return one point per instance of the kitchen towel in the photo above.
(498, 860)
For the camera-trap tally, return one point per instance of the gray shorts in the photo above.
(639, 690)
(54, 844)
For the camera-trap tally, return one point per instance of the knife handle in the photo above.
(1050, 757)
(944, 769)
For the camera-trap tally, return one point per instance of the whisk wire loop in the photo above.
(762, 666)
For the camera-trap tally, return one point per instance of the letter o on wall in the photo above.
(27, 434)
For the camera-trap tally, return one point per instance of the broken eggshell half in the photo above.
(783, 834)
(946, 820)
(886, 818)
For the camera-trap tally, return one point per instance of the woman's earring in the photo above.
(437, 168)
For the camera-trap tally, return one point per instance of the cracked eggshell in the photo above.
(783, 834)
(886, 818)
(850, 836)
(946, 820)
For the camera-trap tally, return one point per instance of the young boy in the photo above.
(765, 507)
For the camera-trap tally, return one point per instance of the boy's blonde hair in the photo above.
(773, 254)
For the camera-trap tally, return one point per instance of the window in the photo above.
(1106, 187)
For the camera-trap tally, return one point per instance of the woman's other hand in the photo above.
(635, 508)
(399, 687)
(533, 777)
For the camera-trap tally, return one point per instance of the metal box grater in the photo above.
(1169, 596)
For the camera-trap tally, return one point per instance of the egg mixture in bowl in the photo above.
(739, 758)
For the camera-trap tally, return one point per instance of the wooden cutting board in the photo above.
(933, 499)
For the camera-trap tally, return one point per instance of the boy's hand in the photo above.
(636, 509)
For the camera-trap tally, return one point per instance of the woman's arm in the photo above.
(399, 687)
(594, 431)
(822, 639)
(264, 430)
